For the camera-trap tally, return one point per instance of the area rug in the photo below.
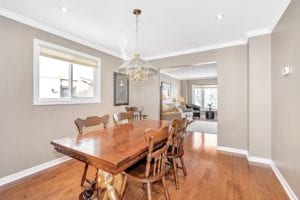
(203, 127)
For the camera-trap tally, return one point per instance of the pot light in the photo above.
(64, 9)
(220, 16)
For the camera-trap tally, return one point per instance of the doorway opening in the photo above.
(191, 91)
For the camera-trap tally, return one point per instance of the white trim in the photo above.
(97, 76)
(269, 162)
(199, 49)
(258, 32)
(259, 160)
(44, 27)
(232, 150)
(283, 182)
(32, 170)
(168, 74)
(279, 15)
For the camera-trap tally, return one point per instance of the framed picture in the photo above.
(121, 89)
(166, 89)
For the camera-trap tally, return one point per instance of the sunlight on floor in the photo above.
(201, 140)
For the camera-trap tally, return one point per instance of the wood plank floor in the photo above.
(211, 175)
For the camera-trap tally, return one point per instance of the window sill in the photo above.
(42, 103)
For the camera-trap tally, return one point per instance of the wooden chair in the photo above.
(154, 168)
(88, 122)
(133, 109)
(176, 150)
(123, 118)
(136, 111)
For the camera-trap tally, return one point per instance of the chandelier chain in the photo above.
(137, 35)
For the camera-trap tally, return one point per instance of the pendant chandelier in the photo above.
(138, 69)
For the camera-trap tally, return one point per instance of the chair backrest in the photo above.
(178, 129)
(91, 121)
(156, 157)
(123, 118)
(133, 109)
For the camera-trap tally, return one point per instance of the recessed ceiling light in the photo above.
(220, 16)
(64, 9)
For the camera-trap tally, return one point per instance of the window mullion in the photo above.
(71, 80)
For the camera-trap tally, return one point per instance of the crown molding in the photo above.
(258, 32)
(171, 75)
(44, 27)
(33, 23)
(199, 49)
(279, 15)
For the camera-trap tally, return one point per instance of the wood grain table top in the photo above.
(111, 149)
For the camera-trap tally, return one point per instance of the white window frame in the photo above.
(203, 106)
(36, 76)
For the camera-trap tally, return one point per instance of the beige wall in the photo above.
(183, 90)
(146, 94)
(190, 84)
(175, 85)
(26, 130)
(286, 96)
(232, 89)
(260, 96)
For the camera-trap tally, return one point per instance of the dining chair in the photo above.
(88, 122)
(176, 150)
(153, 169)
(123, 118)
(136, 111)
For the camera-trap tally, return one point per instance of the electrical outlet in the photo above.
(285, 71)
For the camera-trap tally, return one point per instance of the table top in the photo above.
(111, 149)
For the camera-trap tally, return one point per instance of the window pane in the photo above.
(198, 96)
(54, 78)
(211, 97)
(83, 81)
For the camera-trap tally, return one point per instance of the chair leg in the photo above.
(175, 174)
(123, 188)
(183, 166)
(149, 191)
(165, 188)
(83, 178)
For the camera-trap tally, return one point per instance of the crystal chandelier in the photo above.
(138, 69)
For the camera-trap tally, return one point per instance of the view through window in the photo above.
(204, 96)
(64, 77)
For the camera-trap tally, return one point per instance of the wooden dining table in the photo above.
(110, 150)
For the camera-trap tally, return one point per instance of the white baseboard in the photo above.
(281, 179)
(232, 150)
(283, 182)
(32, 170)
(43, 166)
(259, 160)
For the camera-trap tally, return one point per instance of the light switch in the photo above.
(285, 71)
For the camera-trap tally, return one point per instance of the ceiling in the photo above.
(192, 72)
(169, 27)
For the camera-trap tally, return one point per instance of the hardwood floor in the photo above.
(211, 175)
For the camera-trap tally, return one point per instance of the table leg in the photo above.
(110, 185)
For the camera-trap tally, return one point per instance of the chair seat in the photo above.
(137, 172)
(175, 155)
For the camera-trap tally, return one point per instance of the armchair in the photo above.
(195, 110)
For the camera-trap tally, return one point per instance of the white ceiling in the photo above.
(192, 72)
(168, 27)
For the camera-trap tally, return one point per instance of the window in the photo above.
(205, 95)
(64, 76)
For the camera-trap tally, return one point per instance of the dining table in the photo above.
(111, 151)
